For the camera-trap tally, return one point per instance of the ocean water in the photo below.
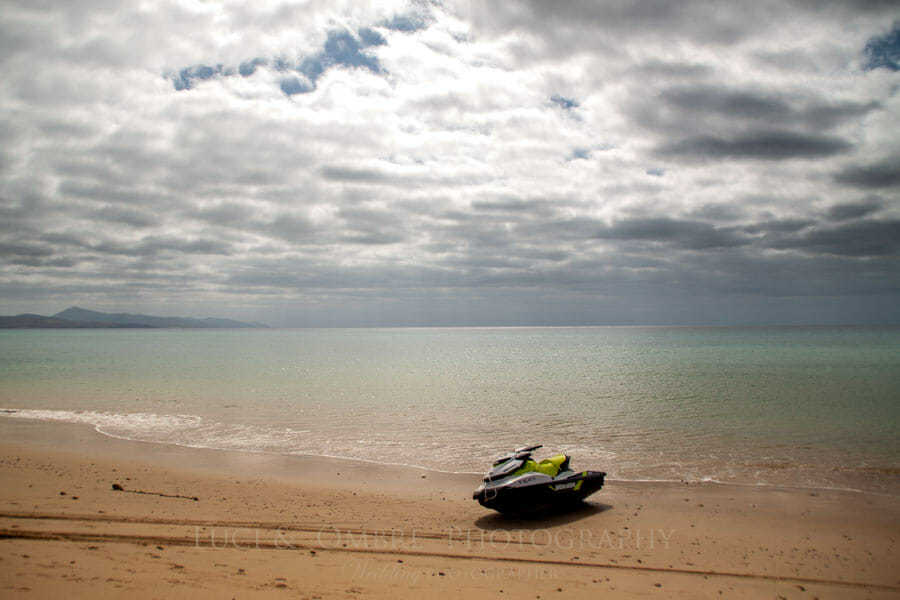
(811, 407)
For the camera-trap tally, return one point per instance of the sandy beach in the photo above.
(204, 523)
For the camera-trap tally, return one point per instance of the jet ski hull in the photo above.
(532, 492)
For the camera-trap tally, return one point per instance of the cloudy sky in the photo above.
(452, 163)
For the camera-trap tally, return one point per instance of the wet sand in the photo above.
(304, 527)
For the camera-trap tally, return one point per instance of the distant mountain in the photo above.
(81, 318)
(30, 321)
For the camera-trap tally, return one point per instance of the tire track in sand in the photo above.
(200, 542)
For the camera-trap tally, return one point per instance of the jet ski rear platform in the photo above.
(517, 484)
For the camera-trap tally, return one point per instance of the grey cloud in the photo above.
(65, 239)
(283, 226)
(53, 127)
(637, 234)
(17, 35)
(667, 69)
(857, 238)
(826, 116)
(100, 242)
(738, 104)
(695, 235)
(771, 145)
(793, 275)
(305, 274)
(516, 206)
(373, 238)
(793, 60)
(161, 244)
(874, 176)
(124, 215)
(83, 176)
(153, 246)
(229, 214)
(779, 226)
(111, 193)
(854, 210)
(765, 107)
(351, 174)
(544, 254)
(699, 121)
(570, 27)
(564, 25)
(369, 216)
(56, 263)
(421, 176)
(372, 226)
(295, 228)
(24, 250)
(718, 212)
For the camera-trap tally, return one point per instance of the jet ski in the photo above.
(518, 484)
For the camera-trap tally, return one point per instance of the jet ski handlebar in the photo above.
(528, 448)
(519, 453)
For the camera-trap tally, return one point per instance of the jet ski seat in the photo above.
(549, 466)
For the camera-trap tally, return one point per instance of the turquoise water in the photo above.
(816, 407)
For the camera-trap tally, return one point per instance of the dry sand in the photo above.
(302, 527)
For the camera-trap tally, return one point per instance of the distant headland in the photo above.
(80, 318)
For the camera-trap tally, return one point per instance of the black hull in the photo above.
(540, 497)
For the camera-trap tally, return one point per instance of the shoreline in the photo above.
(474, 474)
(263, 523)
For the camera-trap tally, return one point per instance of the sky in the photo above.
(452, 163)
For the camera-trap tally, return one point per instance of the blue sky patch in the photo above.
(248, 68)
(563, 102)
(312, 67)
(883, 51)
(580, 153)
(341, 48)
(187, 76)
(370, 37)
(293, 85)
(405, 23)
